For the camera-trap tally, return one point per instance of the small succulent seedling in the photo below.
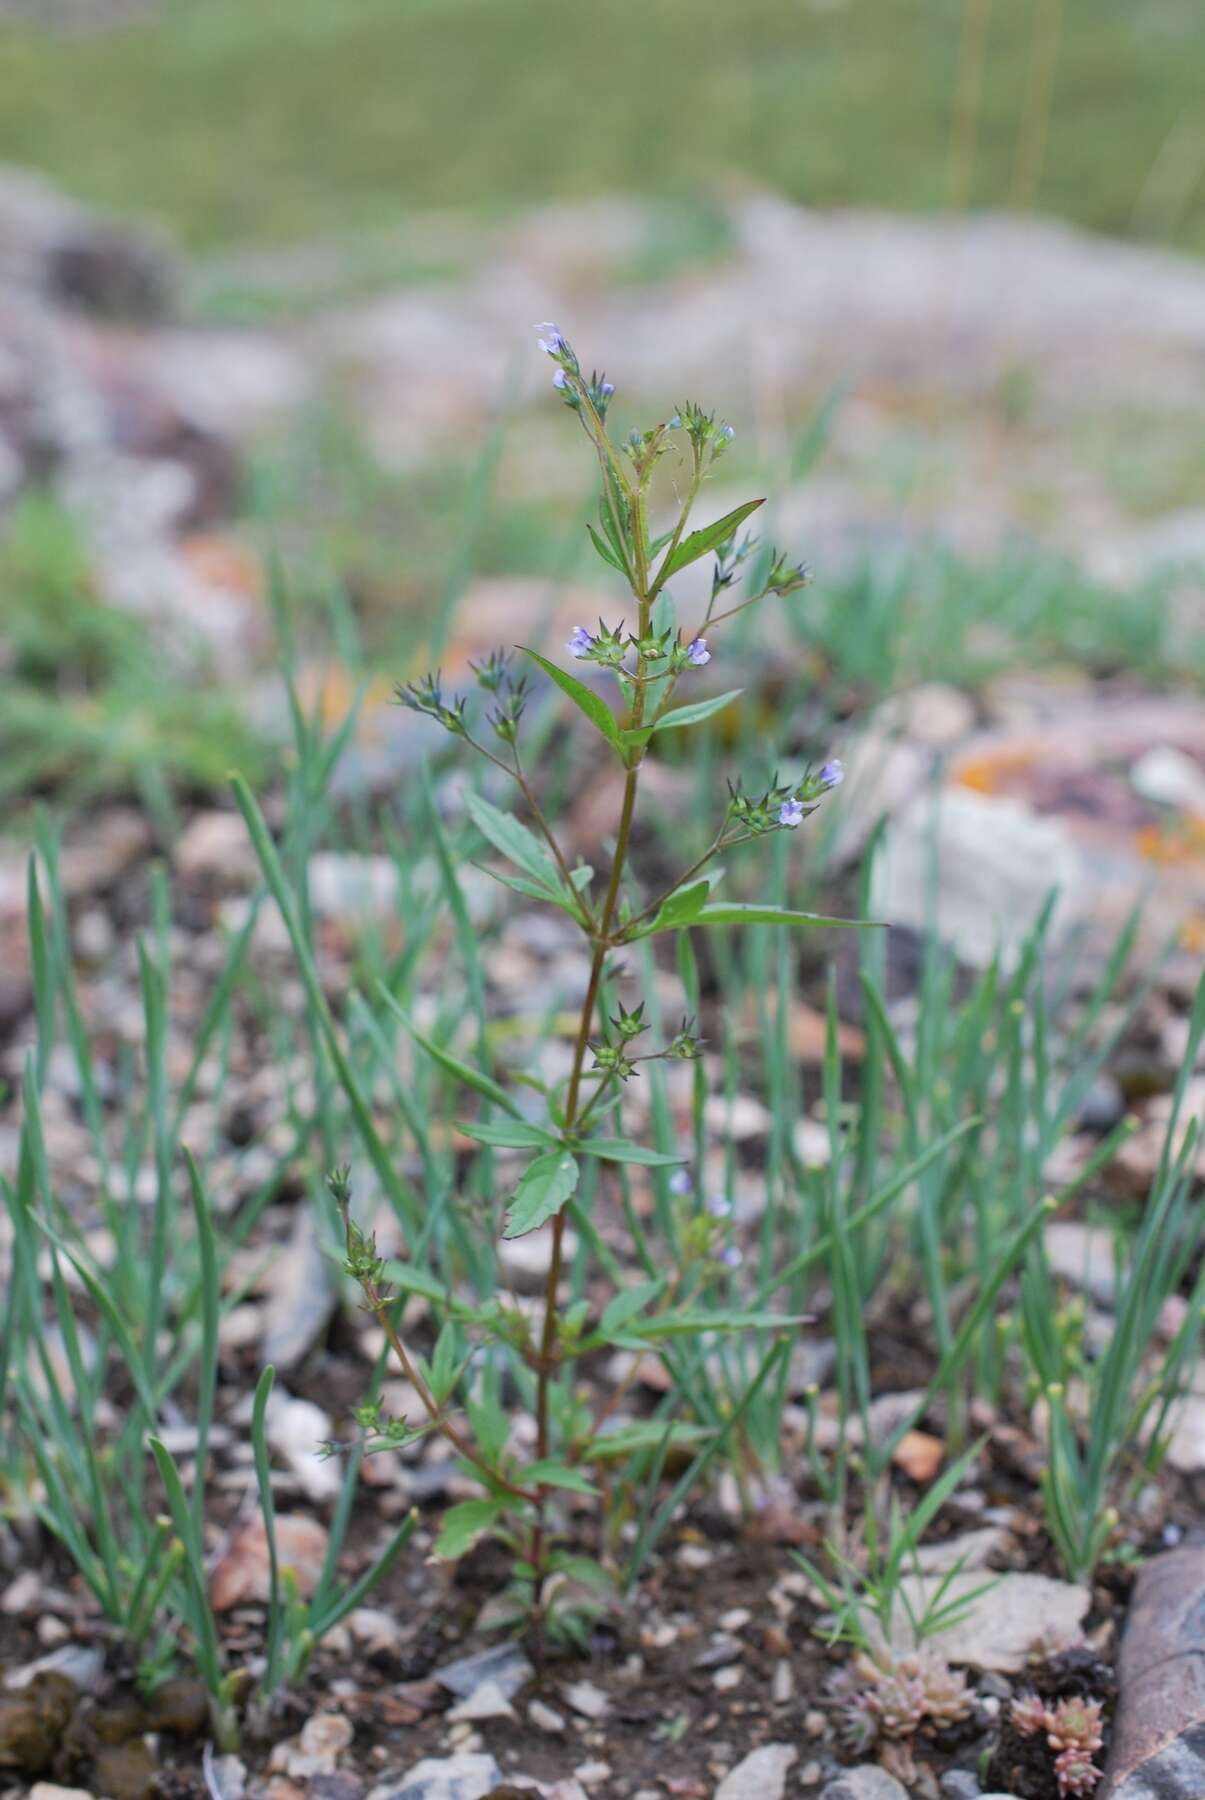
(651, 659)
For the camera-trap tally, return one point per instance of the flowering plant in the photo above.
(519, 1498)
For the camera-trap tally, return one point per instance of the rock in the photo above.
(81, 1665)
(523, 1261)
(486, 1702)
(970, 1550)
(1186, 1442)
(215, 844)
(1158, 1746)
(225, 1776)
(470, 1776)
(33, 1721)
(242, 1570)
(1083, 1255)
(505, 1665)
(866, 1782)
(762, 1775)
(919, 1454)
(1170, 778)
(50, 1790)
(998, 1628)
(316, 1749)
(998, 861)
(299, 1302)
(295, 1429)
(545, 1717)
(959, 1784)
(587, 1699)
(180, 1705)
(124, 1771)
(342, 1785)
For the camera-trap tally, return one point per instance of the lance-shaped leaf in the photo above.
(554, 1474)
(680, 909)
(475, 1078)
(543, 1189)
(514, 1135)
(521, 846)
(604, 549)
(584, 698)
(619, 1150)
(709, 537)
(694, 713)
(724, 913)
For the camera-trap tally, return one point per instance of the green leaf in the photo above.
(545, 1186)
(680, 909)
(519, 845)
(554, 1474)
(474, 1078)
(646, 1434)
(709, 538)
(604, 550)
(535, 890)
(464, 1524)
(691, 715)
(413, 1280)
(595, 709)
(619, 1150)
(727, 914)
(627, 1303)
(686, 1324)
(519, 1136)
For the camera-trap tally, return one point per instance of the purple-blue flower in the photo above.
(560, 379)
(698, 653)
(719, 1208)
(674, 424)
(554, 343)
(832, 774)
(727, 431)
(580, 641)
(791, 812)
(680, 1182)
(607, 389)
(731, 1257)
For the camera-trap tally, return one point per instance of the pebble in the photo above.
(866, 1782)
(811, 1775)
(505, 1665)
(959, 1784)
(762, 1775)
(724, 1680)
(50, 1790)
(587, 1699)
(782, 1688)
(545, 1717)
(815, 1723)
(79, 1664)
(693, 1556)
(465, 1777)
(593, 1774)
(736, 1619)
(486, 1702)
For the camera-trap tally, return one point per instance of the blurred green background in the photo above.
(234, 121)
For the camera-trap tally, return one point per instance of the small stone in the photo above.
(24, 1595)
(486, 1702)
(735, 1619)
(866, 1782)
(762, 1775)
(693, 1556)
(815, 1723)
(81, 1666)
(782, 1687)
(959, 1784)
(811, 1774)
(342, 1785)
(505, 1665)
(587, 1699)
(468, 1777)
(593, 1774)
(724, 1680)
(919, 1455)
(545, 1717)
(50, 1790)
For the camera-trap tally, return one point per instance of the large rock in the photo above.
(998, 1627)
(1158, 1749)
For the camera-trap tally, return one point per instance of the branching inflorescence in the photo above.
(648, 655)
